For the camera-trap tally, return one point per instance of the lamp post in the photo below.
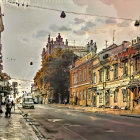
(14, 85)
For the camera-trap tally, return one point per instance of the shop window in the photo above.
(124, 92)
(89, 95)
(115, 71)
(84, 92)
(100, 98)
(115, 96)
(81, 95)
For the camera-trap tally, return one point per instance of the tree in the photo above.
(57, 73)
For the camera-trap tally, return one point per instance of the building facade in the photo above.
(113, 77)
(116, 74)
(80, 78)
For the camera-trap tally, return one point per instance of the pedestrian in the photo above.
(1, 110)
(65, 101)
(8, 109)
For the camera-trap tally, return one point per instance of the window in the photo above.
(115, 96)
(125, 68)
(94, 77)
(100, 97)
(80, 76)
(107, 73)
(80, 95)
(28, 100)
(101, 74)
(137, 64)
(84, 92)
(76, 94)
(115, 71)
(73, 78)
(85, 74)
(76, 78)
(124, 92)
(89, 95)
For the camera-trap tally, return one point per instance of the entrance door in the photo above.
(107, 99)
(94, 101)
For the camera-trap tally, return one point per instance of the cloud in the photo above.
(78, 21)
(40, 34)
(25, 40)
(84, 29)
(56, 28)
(79, 32)
(111, 21)
(88, 26)
(125, 8)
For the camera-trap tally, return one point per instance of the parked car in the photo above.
(28, 102)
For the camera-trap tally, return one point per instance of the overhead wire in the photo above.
(75, 13)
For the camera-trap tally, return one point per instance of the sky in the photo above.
(27, 29)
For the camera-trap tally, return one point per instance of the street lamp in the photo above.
(137, 23)
(63, 15)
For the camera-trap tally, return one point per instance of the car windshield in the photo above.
(28, 100)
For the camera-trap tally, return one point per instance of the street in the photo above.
(68, 124)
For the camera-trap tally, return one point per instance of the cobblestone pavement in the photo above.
(15, 127)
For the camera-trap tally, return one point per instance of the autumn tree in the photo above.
(57, 73)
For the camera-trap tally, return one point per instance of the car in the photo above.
(28, 102)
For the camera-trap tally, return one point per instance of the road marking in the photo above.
(55, 120)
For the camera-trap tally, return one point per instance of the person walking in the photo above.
(1, 110)
(8, 109)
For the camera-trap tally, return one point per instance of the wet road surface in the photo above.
(67, 124)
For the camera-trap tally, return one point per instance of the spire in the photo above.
(48, 38)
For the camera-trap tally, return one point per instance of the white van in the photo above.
(28, 102)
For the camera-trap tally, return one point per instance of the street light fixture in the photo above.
(137, 23)
(63, 15)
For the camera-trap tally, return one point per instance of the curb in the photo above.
(100, 112)
(133, 116)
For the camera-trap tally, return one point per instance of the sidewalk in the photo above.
(15, 128)
(120, 112)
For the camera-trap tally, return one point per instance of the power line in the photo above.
(22, 80)
(71, 12)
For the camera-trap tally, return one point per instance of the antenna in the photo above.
(114, 35)
(106, 43)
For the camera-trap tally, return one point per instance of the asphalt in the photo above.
(70, 124)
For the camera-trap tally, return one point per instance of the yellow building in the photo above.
(80, 78)
(116, 74)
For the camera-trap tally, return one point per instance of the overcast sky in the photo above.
(27, 29)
